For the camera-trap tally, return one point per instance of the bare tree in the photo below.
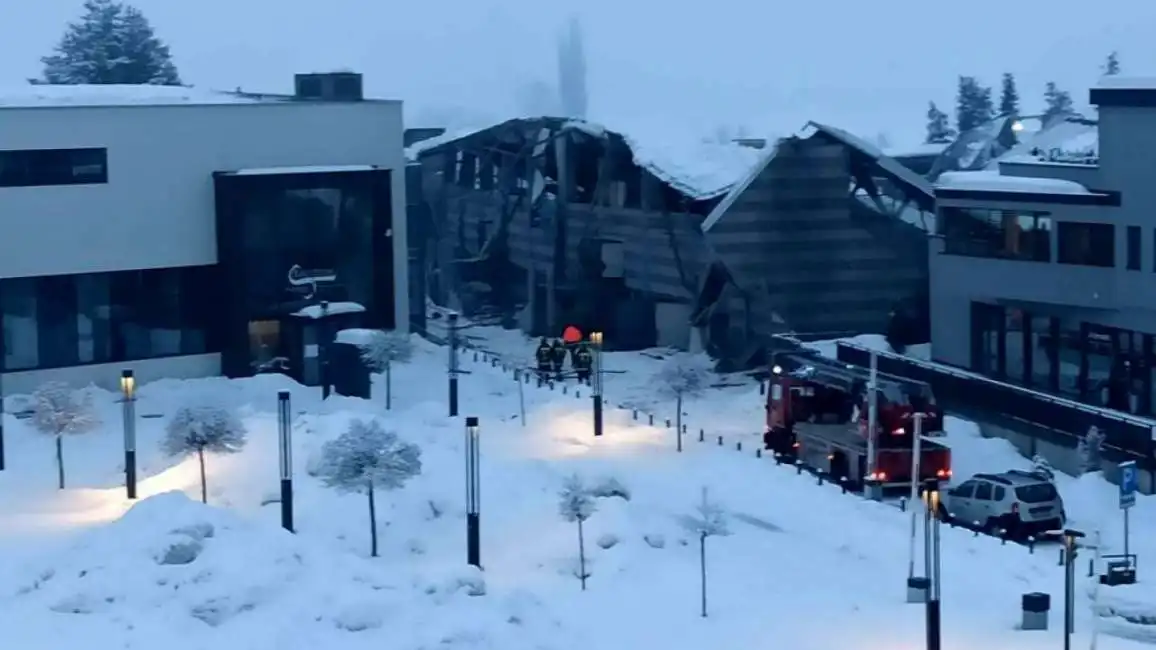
(367, 457)
(381, 351)
(58, 411)
(709, 521)
(576, 504)
(681, 377)
(197, 429)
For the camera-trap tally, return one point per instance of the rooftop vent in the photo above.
(328, 87)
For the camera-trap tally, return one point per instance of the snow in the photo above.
(314, 169)
(1066, 142)
(925, 149)
(40, 95)
(84, 567)
(356, 336)
(315, 311)
(995, 182)
(700, 169)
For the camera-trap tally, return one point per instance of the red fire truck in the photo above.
(817, 414)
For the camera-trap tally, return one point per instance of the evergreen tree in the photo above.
(939, 129)
(973, 104)
(1112, 65)
(1058, 103)
(112, 43)
(1009, 97)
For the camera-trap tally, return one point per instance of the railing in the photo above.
(963, 391)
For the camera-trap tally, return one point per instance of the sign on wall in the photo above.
(306, 280)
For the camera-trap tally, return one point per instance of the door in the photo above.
(959, 501)
(266, 353)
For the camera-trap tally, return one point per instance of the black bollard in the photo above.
(668, 424)
(798, 467)
(650, 419)
(634, 414)
(758, 452)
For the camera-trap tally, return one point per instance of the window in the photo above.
(1087, 244)
(93, 318)
(965, 489)
(18, 314)
(41, 167)
(1134, 251)
(983, 491)
(56, 321)
(1000, 493)
(997, 234)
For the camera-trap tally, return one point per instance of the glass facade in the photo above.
(69, 320)
(1097, 365)
(1002, 234)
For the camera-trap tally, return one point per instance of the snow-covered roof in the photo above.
(312, 169)
(44, 95)
(699, 168)
(991, 181)
(1071, 141)
(1118, 82)
(925, 149)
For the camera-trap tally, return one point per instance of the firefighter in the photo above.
(583, 362)
(544, 357)
(558, 358)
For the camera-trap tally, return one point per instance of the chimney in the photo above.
(328, 87)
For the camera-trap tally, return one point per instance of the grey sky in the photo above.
(869, 67)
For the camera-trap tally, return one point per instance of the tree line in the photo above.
(975, 104)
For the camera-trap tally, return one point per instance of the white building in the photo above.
(154, 228)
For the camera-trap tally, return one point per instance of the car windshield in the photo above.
(1036, 493)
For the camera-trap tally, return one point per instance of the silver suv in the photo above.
(1016, 503)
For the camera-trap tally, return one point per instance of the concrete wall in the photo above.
(157, 208)
(107, 375)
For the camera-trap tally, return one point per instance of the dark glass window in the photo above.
(1086, 244)
(41, 167)
(56, 320)
(21, 336)
(94, 318)
(996, 234)
(1134, 248)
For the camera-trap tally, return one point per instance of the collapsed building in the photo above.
(540, 223)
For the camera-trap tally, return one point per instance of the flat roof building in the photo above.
(177, 232)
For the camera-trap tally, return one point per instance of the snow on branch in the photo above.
(386, 347)
(203, 428)
(575, 503)
(685, 375)
(368, 456)
(710, 518)
(58, 410)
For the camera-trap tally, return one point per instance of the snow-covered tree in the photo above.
(203, 428)
(710, 520)
(112, 43)
(1058, 103)
(939, 129)
(1041, 466)
(57, 410)
(1112, 65)
(1089, 448)
(367, 457)
(576, 504)
(384, 349)
(973, 104)
(572, 71)
(683, 377)
(1009, 96)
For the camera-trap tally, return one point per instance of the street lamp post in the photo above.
(284, 438)
(473, 495)
(323, 349)
(2, 422)
(454, 363)
(596, 378)
(128, 417)
(916, 452)
(931, 553)
(1070, 550)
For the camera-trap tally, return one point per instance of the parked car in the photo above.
(1015, 503)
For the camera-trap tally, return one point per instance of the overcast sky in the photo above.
(769, 64)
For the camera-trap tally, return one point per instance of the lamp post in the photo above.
(916, 452)
(473, 495)
(128, 417)
(285, 445)
(1070, 549)
(931, 561)
(323, 348)
(596, 379)
(454, 362)
(1, 422)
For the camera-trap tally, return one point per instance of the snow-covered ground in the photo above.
(804, 566)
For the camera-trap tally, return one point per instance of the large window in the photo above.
(39, 167)
(1000, 234)
(1086, 244)
(67, 320)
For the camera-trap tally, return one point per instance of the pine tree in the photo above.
(939, 129)
(112, 43)
(1112, 65)
(973, 104)
(1009, 98)
(1058, 102)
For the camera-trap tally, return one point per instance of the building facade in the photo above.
(146, 228)
(1044, 273)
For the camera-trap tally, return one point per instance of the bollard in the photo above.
(798, 467)
(668, 424)
(820, 476)
(475, 356)
(701, 435)
(577, 393)
(540, 381)
(758, 452)
(739, 446)
(917, 589)
(720, 441)
(684, 428)
(1035, 611)
(494, 362)
(902, 504)
(1061, 562)
(650, 419)
(1031, 545)
(778, 459)
(563, 389)
(551, 385)
(634, 414)
(762, 387)
(843, 484)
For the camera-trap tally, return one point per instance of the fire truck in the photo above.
(818, 415)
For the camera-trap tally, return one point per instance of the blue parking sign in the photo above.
(1129, 477)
